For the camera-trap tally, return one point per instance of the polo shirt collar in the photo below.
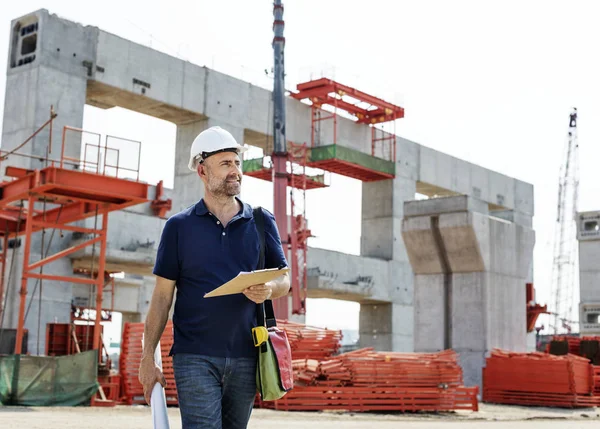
(245, 212)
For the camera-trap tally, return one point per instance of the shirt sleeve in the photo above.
(274, 254)
(167, 255)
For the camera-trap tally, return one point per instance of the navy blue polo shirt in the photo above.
(200, 254)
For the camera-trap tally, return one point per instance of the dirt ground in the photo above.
(139, 417)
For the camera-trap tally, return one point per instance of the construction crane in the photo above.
(565, 238)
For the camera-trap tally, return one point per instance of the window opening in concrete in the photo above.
(593, 318)
(135, 144)
(23, 42)
(29, 44)
(591, 226)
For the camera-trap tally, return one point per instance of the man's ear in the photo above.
(201, 169)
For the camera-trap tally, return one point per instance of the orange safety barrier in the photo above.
(539, 379)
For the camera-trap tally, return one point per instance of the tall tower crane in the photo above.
(564, 272)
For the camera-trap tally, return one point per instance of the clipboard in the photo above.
(244, 280)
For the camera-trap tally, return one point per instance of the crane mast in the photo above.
(565, 238)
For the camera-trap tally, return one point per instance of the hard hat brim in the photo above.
(192, 162)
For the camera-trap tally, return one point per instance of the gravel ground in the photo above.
(139, 417)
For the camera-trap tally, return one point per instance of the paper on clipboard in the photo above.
(244, 280)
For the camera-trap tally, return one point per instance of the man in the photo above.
(202, 247)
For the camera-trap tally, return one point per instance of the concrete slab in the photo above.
(437, 206)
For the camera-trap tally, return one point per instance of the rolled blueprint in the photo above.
(158, 400)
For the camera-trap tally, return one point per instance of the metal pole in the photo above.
(26, 269)
(281, 307)
(100, 285)
(3, 274)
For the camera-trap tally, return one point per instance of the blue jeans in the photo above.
(214, 393)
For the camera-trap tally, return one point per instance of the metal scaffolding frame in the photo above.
(75, 195)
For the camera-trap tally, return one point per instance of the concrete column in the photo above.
(470, 275)
(381, 237)
(386, 326)
(49, 62)
(187, 185)
(55, 74)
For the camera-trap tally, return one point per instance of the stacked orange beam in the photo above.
(308, 342)
(129, 363)
(304, 341)
(573, 343)
(539, 379)
(596, 371)
(365, 380)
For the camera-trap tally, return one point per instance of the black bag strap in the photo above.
(266, 308)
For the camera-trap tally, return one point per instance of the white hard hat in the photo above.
(210, 141)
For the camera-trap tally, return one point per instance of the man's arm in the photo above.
(156, 320)
(158, 313)
(280, 286)
(270, 290)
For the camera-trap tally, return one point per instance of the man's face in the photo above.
(222, 174)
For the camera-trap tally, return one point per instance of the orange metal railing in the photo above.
(115, 156)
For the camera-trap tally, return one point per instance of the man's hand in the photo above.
(149, 375)
(259, 293)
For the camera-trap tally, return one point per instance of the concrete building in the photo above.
(478, 239)
(588, 235)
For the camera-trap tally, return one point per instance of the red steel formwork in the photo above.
(326, 91)
(533, 309)
(539, 379)
(266, 173)
(299, 234)
(365, 108)
(365, 380)
(55, 196)
(297, 241)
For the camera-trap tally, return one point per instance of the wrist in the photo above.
(147, 357)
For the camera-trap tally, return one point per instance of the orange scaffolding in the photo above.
(365, 109)
(75, 195)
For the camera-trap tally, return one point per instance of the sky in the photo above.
(492, 83)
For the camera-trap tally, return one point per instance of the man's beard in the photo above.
(223, 187)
